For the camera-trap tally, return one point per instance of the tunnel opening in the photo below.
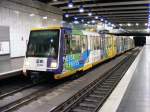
(140, 40)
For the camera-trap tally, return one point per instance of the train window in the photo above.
(92, 42)
(75, 44)
(43, 43)
(106, 42)
(67, 44)
(84, 43)
(102, 43)
(97, 42)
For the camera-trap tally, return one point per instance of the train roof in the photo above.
(83, 32)
(49, 28)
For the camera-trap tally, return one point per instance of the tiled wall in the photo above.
(17, 17)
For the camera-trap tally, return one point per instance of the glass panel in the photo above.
(75, 44)
(92, 42)
(84, 42)
(67, 44)
(97, 42)
(43, 43)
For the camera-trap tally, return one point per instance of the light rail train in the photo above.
(59, 52)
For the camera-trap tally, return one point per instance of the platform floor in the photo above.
(137, 96)
(10, 67)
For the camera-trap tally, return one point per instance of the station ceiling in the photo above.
(115, 11)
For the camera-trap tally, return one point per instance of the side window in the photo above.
(94, 46)
(76, 44)
(95, 43)
(92, 42)
(100, 42)
(67, 44)
(84, 41)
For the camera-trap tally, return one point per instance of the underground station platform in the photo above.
(74, 56)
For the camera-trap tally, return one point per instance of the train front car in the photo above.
(44, 56)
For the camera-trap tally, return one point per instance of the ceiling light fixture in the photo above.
(66, 15)
(75, 18)
(93, 21)
(96, 17)
(82, 20)
(113, 25)
(106, 21)
(146, 24)
(88, 22)
(102, 19)
(90, 13)
(137, 24)
(109, 23)
(70, 4)
(129, 24)
(76, 22)
(120, 24)
(81, 9)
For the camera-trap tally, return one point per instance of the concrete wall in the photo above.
(16, 14)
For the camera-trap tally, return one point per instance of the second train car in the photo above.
(59, 52)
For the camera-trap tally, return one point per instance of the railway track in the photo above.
(18, 97)
(15, 99)
(92, 97)
(16, 90)
(13, 84)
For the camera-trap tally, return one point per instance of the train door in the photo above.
(72, 51)
(118, 44)
(97, 48)
(67, 49)
(76, 52)
(91, 43)
(115, 44)
(103, 48)
(84, 49)
(107, 46)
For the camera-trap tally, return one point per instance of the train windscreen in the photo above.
(43, 43)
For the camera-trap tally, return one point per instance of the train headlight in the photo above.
(53, 64)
